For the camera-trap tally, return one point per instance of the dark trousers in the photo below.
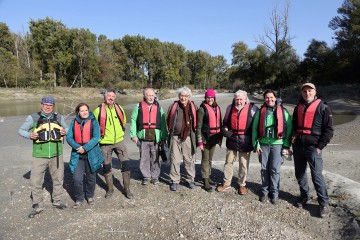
(206, 160)
(82, 169)
(304, 155)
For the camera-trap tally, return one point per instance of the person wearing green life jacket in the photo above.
(148, 130)
(112, 120)
(271, 134)
(46, 129)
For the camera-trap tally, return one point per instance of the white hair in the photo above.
(146, 89)
(240, 93)
(184, 90)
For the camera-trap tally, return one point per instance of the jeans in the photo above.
(78, 177)
(271, 161)
(304, 155)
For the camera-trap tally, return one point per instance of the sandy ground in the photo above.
(157, 213)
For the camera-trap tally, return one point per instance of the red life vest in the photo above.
(102, 117)
(280, 121)
(306, 117)
(213, 120)
(172, 113)
(82, 134)
(240, 122)
(148, 118)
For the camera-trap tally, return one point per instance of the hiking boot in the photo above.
(324, 211)
(303, 202)
(155, 181)
(211, 182)
(126, 184)
(59, 205)
(207, 185)
(109, 184)
(145, 181)
(192, 185)
(91, 201)
(36, 209)
(77, 204)
(223, 188)
(173, 187)
(274, 201)
(242, 190)
(262, 198)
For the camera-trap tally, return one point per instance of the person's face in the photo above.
(270, 99)
(240, 101)
(84, 112)
(47, 108)
(110, 98)
(184, 98)
(210, 100)
(149, 96)
(308, 94)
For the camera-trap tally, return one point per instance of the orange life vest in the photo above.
(172, 113)
(212, 119)
(306, 117)
(102, 117)
(240, 122)
(280, 121)
(148, 118)
(82, 133)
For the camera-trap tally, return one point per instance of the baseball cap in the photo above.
(48, 100)
(310, 85)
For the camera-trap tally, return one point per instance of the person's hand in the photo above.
(259, 150)
(318, 150)
(34, 135)
(63, 132)
(135, 139)
(80, 150)
(201, 146)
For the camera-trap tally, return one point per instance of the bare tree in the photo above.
(277, 38)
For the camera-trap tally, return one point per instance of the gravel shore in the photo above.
(157, 213)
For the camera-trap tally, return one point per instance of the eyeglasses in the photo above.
(210, 97)
(184, 96)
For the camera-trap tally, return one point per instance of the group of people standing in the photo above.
(268, 131)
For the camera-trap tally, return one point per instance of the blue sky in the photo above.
(212, 26)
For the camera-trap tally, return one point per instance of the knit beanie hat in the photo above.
(210, 93)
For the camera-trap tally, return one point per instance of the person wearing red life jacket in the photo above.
(45, 129)
(271, 136)
(112, 120)
(86, 156)
(312, 131)
(237, 124)
(208, 134)
(181, 123)
(148, 130)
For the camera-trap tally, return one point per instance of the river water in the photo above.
(66, 107)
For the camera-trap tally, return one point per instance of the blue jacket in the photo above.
(92, 148)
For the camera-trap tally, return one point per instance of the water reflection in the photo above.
(65, 107)
(343, 117)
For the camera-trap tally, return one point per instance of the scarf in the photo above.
(186, 121)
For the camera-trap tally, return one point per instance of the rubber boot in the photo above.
(126, 183)
(110, 184)
(207, 185)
